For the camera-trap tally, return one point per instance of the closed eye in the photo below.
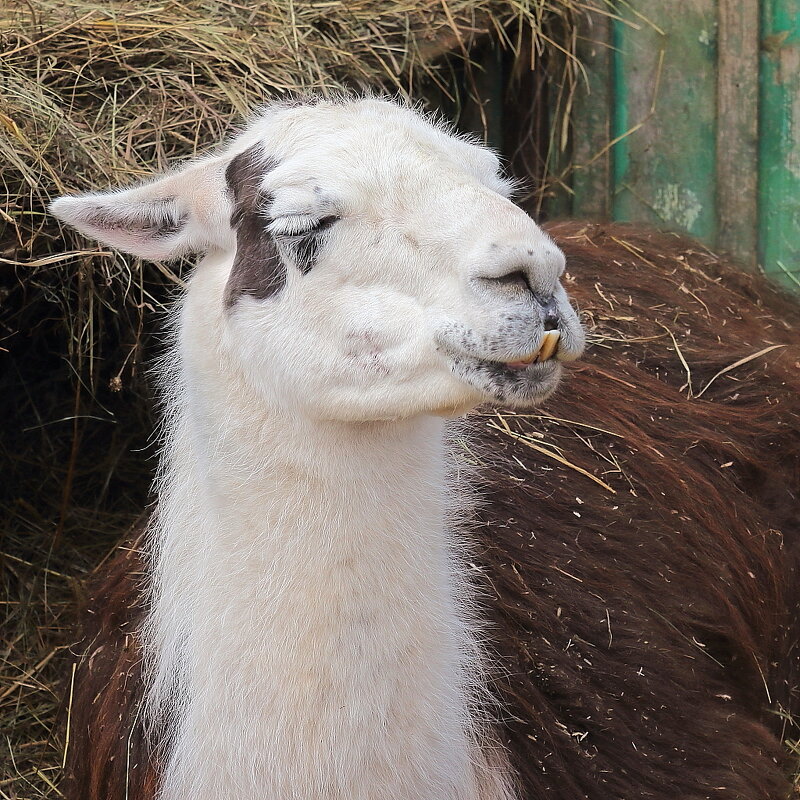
(301, 236)
(299, 225)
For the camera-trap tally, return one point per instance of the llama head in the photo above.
(369, 263)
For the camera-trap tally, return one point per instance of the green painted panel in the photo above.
(779, 141)
(704, 110)
(664, 84)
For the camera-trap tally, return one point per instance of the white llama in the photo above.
(311, 631)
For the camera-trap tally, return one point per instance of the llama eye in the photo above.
(300, 225)
(301, 237)
(323, 224)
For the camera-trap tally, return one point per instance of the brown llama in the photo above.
(621, 621)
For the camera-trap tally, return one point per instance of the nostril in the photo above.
(549, 313)
(515, 279)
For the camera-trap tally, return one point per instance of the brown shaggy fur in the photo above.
(647, 636)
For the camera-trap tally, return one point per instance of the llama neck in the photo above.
(310, 627)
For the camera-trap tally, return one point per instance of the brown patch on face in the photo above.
(257, 269)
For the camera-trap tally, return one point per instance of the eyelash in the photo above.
(319, 226)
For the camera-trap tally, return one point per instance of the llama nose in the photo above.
(550, 315)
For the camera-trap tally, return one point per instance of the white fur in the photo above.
(312, 633)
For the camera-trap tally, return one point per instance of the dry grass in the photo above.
(100, 94)
(94, 94)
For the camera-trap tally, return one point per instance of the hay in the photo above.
(102, 94)
(94, 94)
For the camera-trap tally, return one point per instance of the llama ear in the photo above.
(181, 212)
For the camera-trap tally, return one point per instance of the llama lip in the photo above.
(547, 349)
(501, 382)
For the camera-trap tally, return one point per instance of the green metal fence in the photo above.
(691, 120)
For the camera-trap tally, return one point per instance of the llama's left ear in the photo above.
(178, 213)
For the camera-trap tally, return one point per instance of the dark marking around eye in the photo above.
(257, 269)
(306, 250)
(305, 246)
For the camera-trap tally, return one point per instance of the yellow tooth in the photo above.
(549, 346)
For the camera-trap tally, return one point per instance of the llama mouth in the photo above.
(520, 382)
(547, 350)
